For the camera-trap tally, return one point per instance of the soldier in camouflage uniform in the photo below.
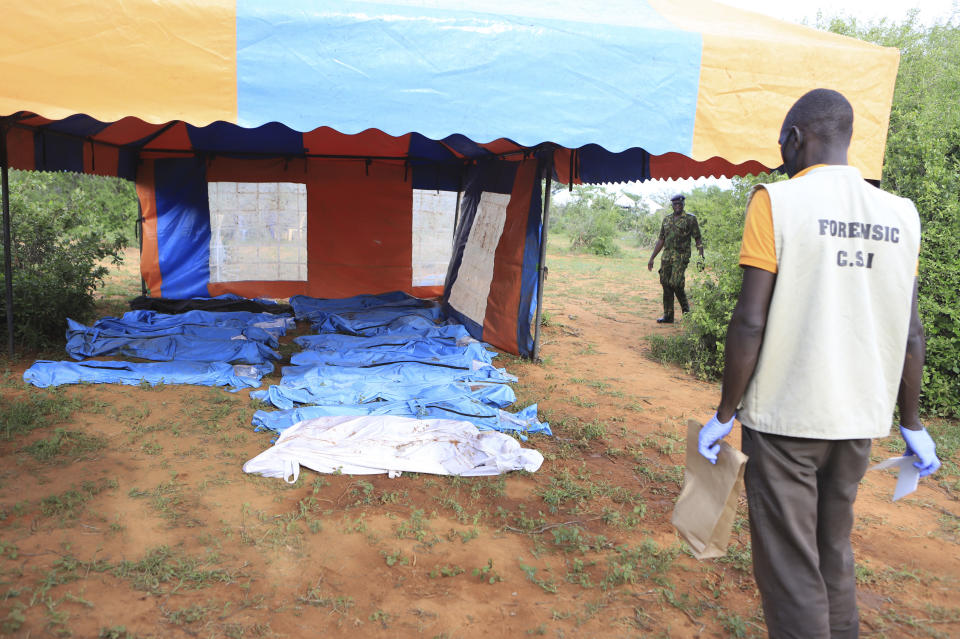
(675, 234)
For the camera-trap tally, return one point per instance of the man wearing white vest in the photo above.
(825, 339)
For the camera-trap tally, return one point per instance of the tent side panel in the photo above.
(183, 227)
(54, 152)
(506, 324)
(472, 277)
(225, 169)
(100, 159)
(258, 288)
(358, 224)
(149, 255)
(360, 229)
(20, 149)
(531, 262)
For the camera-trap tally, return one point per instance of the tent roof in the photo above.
(675, 78)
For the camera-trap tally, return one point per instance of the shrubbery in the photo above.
(63, 227)
(713, 292)
(592, 221)
(922, 162)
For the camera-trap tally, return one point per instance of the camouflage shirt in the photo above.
(676, 233)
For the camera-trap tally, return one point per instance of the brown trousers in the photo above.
(800, 494)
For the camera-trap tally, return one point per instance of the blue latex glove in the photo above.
(711, 433)
(920, 443)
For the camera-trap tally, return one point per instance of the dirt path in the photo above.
(135, 520)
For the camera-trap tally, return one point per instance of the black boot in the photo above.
(667, 306)
(682, 298)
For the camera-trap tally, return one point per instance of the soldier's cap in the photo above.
(678, 196)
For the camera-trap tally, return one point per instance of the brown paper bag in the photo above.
(707, 505)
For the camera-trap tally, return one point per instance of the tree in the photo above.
(591, 220)
(64, 227)
(922, 162)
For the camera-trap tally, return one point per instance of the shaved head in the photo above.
(823, 113)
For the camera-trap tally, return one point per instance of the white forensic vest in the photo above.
(836, 333)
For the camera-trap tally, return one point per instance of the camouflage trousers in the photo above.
(672, 273)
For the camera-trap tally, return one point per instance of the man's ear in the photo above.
(798, 137)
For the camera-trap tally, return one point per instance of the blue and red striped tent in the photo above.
(367, 104)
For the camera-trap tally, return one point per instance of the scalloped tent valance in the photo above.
(655, 88)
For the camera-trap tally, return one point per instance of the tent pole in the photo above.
(7, 248)
(456, 211)
(541, 266)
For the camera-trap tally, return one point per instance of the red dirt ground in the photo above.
(169, 538)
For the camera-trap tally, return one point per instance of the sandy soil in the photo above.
(153, 530)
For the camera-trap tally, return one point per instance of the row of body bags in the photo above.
(234, 349)
(389, 357)
(387, 385)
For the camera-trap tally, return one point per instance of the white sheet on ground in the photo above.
(367, 445)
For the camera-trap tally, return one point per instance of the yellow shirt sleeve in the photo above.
(758, 248)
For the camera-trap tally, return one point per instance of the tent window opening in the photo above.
(434, 213)
(258, 231)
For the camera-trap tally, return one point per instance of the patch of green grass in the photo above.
(14, 619)
(116, 632)
(572, 538)
(152, 448)
(69, 504)
(65, 569)
(631, 519)
(381, 617)
(186, 616)
(660, 478)
(582, 403)
(648, 561)
(16, 510)
(680, 349)
(949, 526)
(578, 573)
(947, 437)
(394, 558)
(548, 585)
(8, 379)
(415, 528)
(171, 502)
(65, 443)
(739, 557)
(135, 417)
(564, 488)
(315, 596)
(19, 416)
(592, 430)
(446, 571)
(163, 571)
(487, 573)
(733, 624)
(488, 487)
(866, 575)
(522, 522)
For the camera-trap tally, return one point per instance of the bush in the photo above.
(592, 221)
(713, 292)
(648, 227)
(60, 239)
(922, 162)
